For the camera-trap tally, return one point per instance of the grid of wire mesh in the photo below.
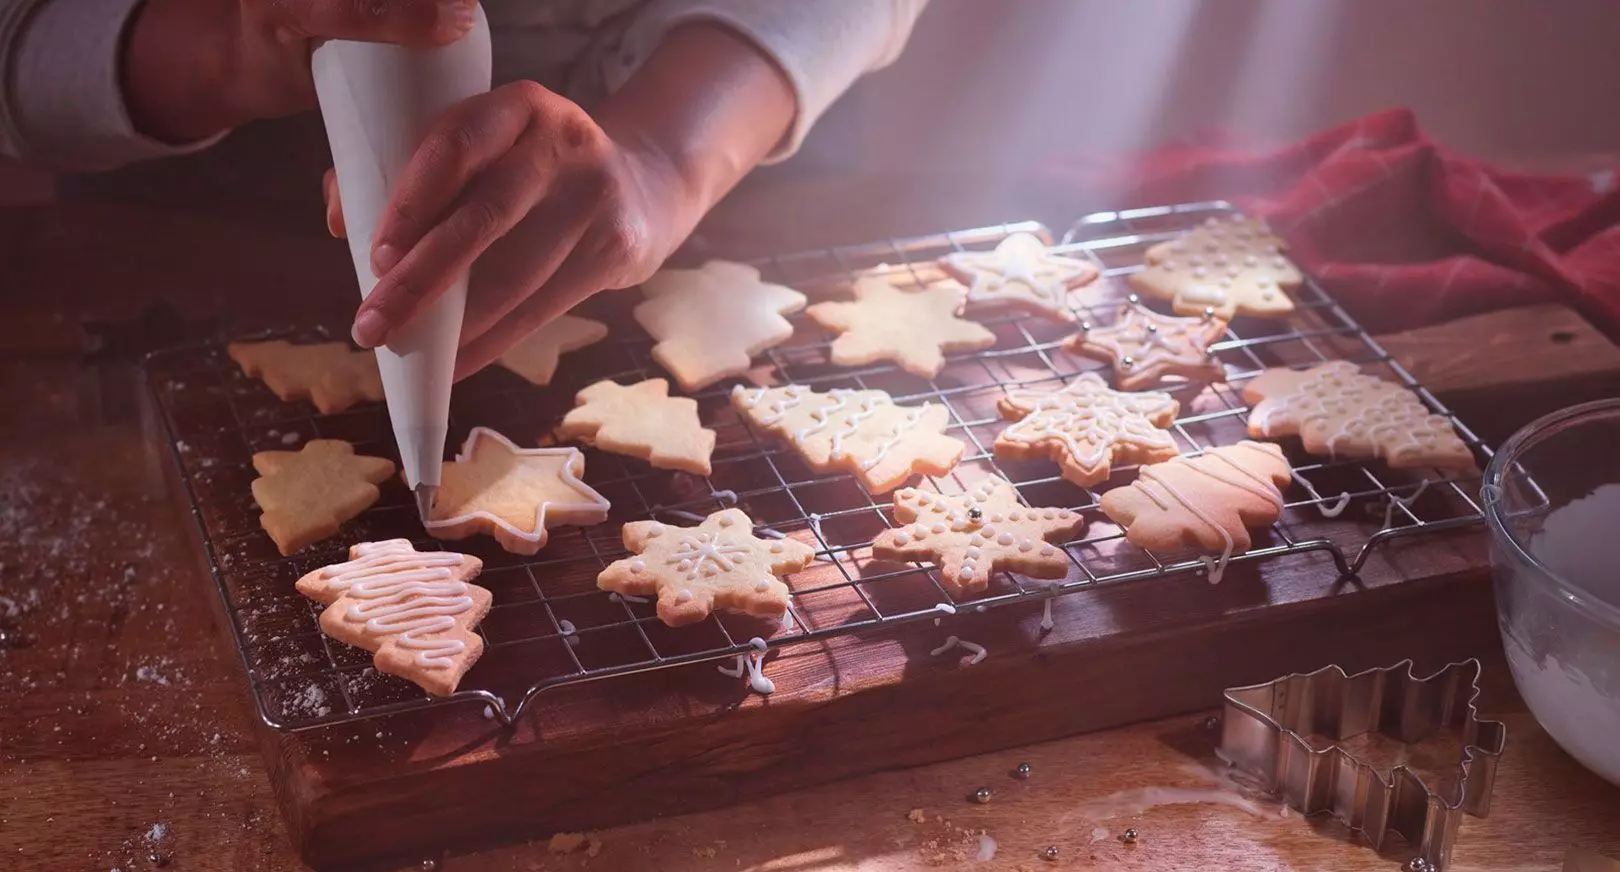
(551, 626)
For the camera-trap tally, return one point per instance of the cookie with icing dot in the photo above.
(641, 420)
(864, 433)
(718, 564)
(535, 357)
(305, 495)
(514, 494)
(331, 375)
(1209, 502)
(1086, 427)
(971, 535)
(414, 610)
(913, 328)
(1337, 410)
(1229, 266)
(1145, 347)
(711, 321)
(1021, 272)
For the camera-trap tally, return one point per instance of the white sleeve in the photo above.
(61, 103)
(822, 45)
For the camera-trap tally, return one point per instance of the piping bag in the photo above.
(378, 101)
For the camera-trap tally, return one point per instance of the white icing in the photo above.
(1148, 476)
(590, 503)
(410, 595)
(978, 652)
(1046, 615)
(705, 554)
(1089, 420)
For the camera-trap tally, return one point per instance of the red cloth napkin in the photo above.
(1401, 230)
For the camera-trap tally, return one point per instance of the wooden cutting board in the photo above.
(681, 739)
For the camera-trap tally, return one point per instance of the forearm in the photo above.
(174, 80)
(710, 106)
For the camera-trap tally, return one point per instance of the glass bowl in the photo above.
(1552, 503)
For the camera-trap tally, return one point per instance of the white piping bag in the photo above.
(378, 101)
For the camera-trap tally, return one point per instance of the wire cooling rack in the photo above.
(550, 626)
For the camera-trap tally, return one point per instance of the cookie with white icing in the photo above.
(641, 420)
(864, 433)
(1086, 427)
(711, 321)
(514, 494)
(718, 564)
(1145, 347)
(331, 375)
(1209, 502)
(414, 610)
(1021, 272)
(1339, 411)
(535, 356)
(1230, 267)
(969, 536)
(913, 328)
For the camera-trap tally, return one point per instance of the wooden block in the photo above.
(677, 740)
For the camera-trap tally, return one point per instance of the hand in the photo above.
(549, 206)
(196, 67)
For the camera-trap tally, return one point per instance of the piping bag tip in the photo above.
(425, 494)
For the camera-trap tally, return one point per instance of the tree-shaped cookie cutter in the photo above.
(1265, 729)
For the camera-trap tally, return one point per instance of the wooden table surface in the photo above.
(125, 733)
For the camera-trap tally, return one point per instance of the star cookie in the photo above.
(514, 494)
(861, 432)
(331, 375)
(1231, 267)
(974, 534)
(415, 611)
(1210, 501)
(710, 322)
(1143, 346)
(306, 495)
(535, 356)
(1021, 272)
(719, 564)
(1339, 411)
(641, 420)
(912, 328)
(1085, 427)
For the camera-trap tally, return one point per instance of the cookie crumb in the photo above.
(565, 843)
(916, 816)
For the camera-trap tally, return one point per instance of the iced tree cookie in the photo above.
(913, 328)
(1144, 347)
(861, 432)
(1209, 502)
(305, 495)
(514, 494)
(1337, 410)
(331, 375)
(719, 564)
(1085, 427)
(971, 535)
(414, 610)
(641, 420)
(711, 321)
(1230, 266)
(1023, 273)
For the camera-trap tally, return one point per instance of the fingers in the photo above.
(467, 139)
(575, 280)
(407, 22)
(334, 205)
(497, 200)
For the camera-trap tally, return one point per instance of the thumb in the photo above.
(406, 22)
(334, 205)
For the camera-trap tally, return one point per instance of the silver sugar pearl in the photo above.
(1212, 723)
(1209, 313)
(982, 795)
(1127, 361)
(1153, 328)
(1022, 772)
(1050, 855)
(429, 865)
(1133, 299)
(1130, 836)
(1418, 864)
(1085, 326)
(975, 515)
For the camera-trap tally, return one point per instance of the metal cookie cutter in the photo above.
(1265, 729)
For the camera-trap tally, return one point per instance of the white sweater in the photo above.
(61, 104)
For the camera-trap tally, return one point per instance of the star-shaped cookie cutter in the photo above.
(1265, 733)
